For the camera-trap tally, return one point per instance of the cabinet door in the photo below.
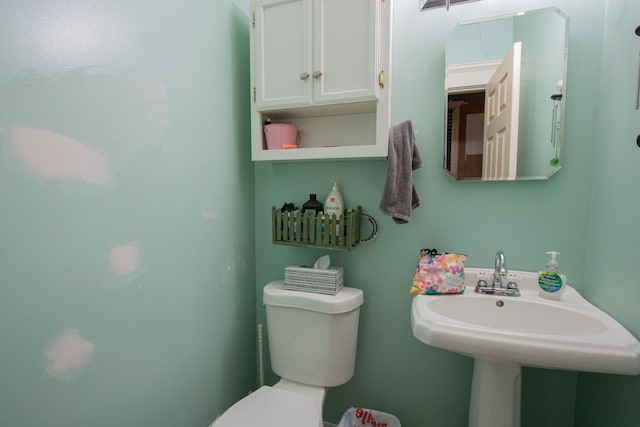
(282, 40)
(345, 46)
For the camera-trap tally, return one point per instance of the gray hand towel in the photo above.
(399, 197)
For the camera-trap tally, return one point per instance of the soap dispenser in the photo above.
(550, 282)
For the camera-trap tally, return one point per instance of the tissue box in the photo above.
(322, 281)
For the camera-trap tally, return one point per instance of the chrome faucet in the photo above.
(500, 270)
(497, 286)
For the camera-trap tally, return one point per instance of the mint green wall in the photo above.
(425, 386)
(613, 246)
(127, 279)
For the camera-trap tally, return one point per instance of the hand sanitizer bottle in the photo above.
(551, 283)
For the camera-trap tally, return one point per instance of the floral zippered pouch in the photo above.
(439, 273)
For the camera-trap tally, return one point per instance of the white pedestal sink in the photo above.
(504, 333)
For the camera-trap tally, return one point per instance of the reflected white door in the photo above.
(502, 109)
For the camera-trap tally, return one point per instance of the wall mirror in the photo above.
(505, 81)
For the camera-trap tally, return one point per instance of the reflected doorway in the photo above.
(465, 134)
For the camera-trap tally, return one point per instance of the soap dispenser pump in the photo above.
(551, 283)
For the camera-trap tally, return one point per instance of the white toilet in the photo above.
(312, 343)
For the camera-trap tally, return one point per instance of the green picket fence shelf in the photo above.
(319, 231)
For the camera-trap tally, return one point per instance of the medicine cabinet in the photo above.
(505, 92)
(324, 67)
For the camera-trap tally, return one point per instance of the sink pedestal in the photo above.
(495, 394)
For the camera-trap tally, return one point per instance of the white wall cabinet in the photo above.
(313, 52)
(324, 66)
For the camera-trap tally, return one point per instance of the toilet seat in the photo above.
(271, 407)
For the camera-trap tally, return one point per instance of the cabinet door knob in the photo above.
(317, 74)
(304, 76)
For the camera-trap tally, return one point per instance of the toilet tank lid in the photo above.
(345, 300)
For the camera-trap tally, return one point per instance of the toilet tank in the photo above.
(312, 337)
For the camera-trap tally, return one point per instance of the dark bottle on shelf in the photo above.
(312, 206)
